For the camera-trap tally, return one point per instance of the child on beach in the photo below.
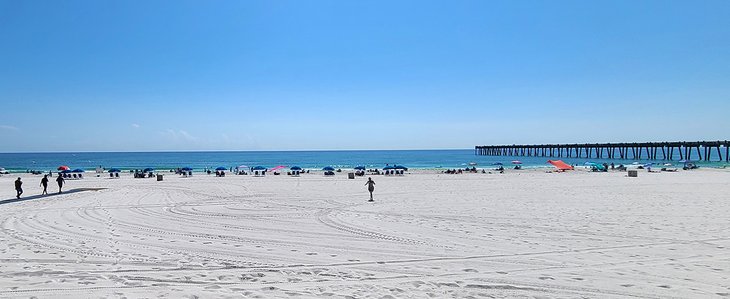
(371, 187)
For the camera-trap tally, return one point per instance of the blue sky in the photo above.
(288, 75)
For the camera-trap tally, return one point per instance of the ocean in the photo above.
(416, 159)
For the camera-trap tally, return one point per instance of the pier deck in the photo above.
(698, 150)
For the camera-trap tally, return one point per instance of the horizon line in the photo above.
(234, 151)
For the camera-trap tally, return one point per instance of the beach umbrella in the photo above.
(388, 167)
(63, 167)
(328, 168)
(360, 167)
(221, 168)
(472, 163)
(295, 168)
(259, 168)
(667, 164)
(498, 163)
(277, 168)
(516, 162)
(148, 169)
(186, 168)
(596, 165)
(400, 167)
(66, 171)
(115, 170)
(77, 170)
(242, 167)
(648, 164)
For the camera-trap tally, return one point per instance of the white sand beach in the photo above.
(523, 234)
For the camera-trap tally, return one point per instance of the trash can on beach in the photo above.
(633, 173)
(159, 177)
(351, 175)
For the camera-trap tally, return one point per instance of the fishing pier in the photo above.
(696, 151)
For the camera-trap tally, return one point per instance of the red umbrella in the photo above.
(63, 167)
(277, 168)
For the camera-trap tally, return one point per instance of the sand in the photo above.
(523, 234)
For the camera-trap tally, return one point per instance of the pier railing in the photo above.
(696, 151)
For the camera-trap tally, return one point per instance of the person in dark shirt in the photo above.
(19, 187)
(60, 181)
(44, 184)
(371, 187)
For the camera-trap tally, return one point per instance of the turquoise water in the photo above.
(20, 162)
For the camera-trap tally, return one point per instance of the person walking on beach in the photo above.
(371, 187)
(59, 180)
(44, 184)
(18, 187)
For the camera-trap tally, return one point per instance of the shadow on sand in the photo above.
(77, 190)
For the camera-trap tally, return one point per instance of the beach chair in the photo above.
(111, 175)
(116, 175)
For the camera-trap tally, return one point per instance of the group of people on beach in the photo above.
(59, 179)
(44, 184)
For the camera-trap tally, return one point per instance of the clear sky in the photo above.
(288, 75)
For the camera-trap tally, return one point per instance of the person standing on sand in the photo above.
(44, 184)
(59, 180)
(371, 187)
(18, 187)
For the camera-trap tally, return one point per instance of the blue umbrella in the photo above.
(187, 169)
(360, 167)
(400, 167)
(259, 168)
(77, 170)
(115, 170)
(596, 165)
(295, 168)
(388, 167)
(498, 163)
(148, 169)
(221, 168)
(328, 168)
(66, 171)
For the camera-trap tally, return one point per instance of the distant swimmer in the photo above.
(371, 187)
(59, 180)
(19, 188)
(44, 184)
